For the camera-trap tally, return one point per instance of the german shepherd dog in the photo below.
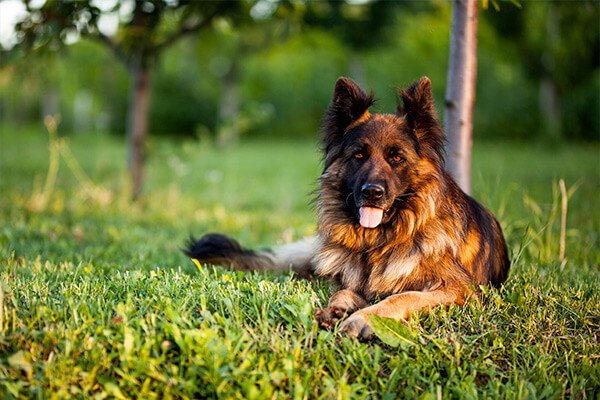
(395, 233)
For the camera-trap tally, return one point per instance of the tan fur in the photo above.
(360, 120)
(400, 306)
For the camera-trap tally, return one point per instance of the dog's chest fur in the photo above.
(378, 273)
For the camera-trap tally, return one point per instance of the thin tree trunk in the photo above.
(50, 102)
(550, 107)
(460, 91)
(229, 107)
(356, 67)
(138, 124)
(549, 98)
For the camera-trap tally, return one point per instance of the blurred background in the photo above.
(266, 69)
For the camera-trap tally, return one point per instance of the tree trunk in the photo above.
(460, 91)
(550, 108)
(137, 128)
(356, 67)
(51, 102)
(229, 107)
(549, 98)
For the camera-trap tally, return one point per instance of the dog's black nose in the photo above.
(372, 191)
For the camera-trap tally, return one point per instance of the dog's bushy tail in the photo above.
(217, 249)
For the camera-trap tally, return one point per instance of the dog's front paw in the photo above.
(329, 317)
(357, 326)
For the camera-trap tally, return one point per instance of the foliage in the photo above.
(356, 25)
(97, 300)
(178, 104)
(146, 27)
(275, 60)
(555, 42)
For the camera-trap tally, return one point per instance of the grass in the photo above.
(97, 301)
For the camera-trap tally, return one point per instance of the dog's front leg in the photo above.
(342, 303)
(399, 306)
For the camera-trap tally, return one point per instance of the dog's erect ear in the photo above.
(421, 116)
(349, 104)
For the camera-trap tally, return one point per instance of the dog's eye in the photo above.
(396, 158)
(359, 155)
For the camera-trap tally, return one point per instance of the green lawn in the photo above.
(97, 300)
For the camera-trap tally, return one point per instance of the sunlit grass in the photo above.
(97, 299)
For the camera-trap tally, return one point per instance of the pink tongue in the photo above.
(370, 217)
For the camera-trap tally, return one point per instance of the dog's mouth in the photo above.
(372, 215)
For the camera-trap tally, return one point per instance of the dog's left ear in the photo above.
(349, 104)
(421, 116)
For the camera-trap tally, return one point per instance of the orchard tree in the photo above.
(145, 29)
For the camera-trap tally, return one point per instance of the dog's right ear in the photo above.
(349, 104)
(421, 116)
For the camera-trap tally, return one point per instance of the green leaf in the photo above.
(392, 332)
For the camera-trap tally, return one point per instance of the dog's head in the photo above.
(377, 162)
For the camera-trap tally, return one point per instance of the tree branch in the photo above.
(117, 51)
(186, 30)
